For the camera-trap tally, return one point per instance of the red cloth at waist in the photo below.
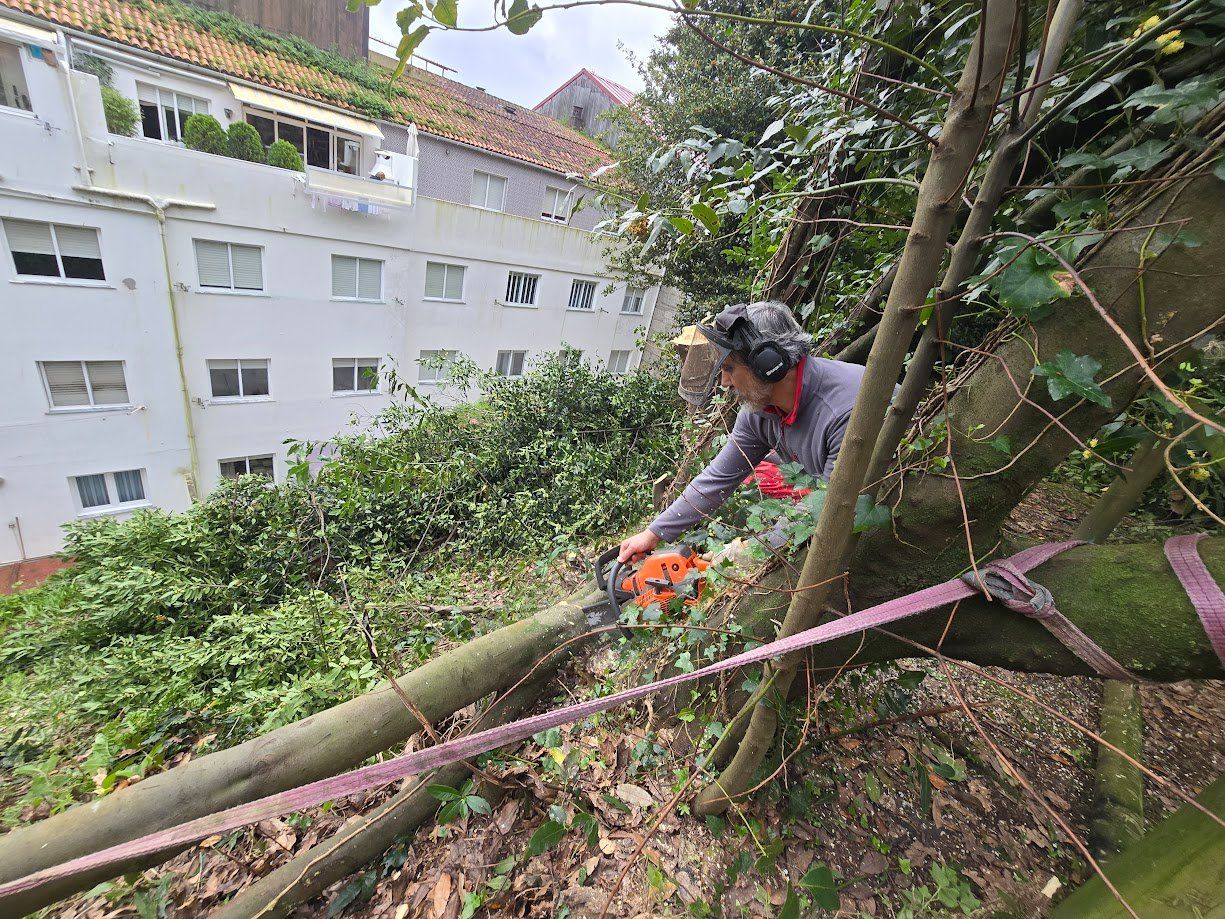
(769, 480)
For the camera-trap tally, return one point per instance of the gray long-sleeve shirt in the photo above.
(813, 439)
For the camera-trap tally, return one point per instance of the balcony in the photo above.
(355, 193)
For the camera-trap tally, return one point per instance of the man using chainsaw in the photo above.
(793, 404)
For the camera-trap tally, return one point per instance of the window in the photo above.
(444, 282)
(556, 204)
(633, 301)
(619, 362)
(164, 113)
(321, 146)
(110, 489)
(248, 465)
(355, 374)
(488, 191)
(357, 278)
(54, 250)
(582, 295)
(578, 116)
(521, 288)
(435, 366)
(14, 93)
(229, 266)
(73, 384)
(510, 364)
(245, 379)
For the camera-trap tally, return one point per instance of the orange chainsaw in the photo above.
(658, 578)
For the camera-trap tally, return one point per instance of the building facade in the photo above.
(584, 102)
(172, 317)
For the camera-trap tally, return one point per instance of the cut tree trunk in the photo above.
(322, 745)
(1118, 805)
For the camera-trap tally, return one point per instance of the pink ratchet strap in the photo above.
(1204, 592)
(1004, 581)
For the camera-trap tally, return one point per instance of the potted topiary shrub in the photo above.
(244, 144)
(121, 113)
(205, 133)
(283, 155)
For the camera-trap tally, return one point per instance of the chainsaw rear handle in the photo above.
(610, 584)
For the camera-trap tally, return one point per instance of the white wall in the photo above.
(294, 322)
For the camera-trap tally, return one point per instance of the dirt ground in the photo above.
(902, 818)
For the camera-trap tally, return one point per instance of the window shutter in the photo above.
(497, 194)
(480, 189)
(65, 383)
(92, 489)
(454, 282)
(213, 263)
(29, 236)
(107, 381)
(344, 276)
(367, 375)
(342, 374)
(369, 279)
(516, 363)
(223, 378)
(129, 486)
(248, 264)
(435, 279)
(78, 242)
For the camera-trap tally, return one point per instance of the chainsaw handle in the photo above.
(609, 555)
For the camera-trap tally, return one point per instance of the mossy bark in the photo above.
(1118, 807)
(1175, 871)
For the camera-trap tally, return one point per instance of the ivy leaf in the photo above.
(1003, 444)
(521, 18)
(1028, 285)
(1141, 157)
(869, 515)
(819, 882)
(1072, 375)
(446, 12)
(791, 906)
(910, 679)
(359, 889)
(706, 214)
(1081, 158)
(546, 837)
(872, 787)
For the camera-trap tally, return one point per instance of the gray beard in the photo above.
(755, 400)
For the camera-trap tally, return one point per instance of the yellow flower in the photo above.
(1199, 473)
(1086, 454)
(1145, 26)
(1172, 48)
(1093, 442)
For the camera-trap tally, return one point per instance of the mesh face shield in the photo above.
(700, 371)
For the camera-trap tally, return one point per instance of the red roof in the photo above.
(614, 91)
(218, 43)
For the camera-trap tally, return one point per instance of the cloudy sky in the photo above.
(526, 68)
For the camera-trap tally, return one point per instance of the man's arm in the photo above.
(744, 449)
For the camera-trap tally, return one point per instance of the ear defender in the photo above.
(768, 361)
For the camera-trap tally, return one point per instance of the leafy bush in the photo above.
(122, 115)
(243, 143)
(205, 133)
(283, 155)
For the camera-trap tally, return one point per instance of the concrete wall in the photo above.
(152, 313)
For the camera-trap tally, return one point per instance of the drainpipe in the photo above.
(159, 206)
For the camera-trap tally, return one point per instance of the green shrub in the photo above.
(122, 115)
(283, 155)
(205, 133)
(244, 144)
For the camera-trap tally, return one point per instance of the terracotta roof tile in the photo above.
(435, 104)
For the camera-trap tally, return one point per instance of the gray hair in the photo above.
(776, 322)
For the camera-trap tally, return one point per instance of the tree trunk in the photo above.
(316, 747)
(1176, 871)
(1118, 806)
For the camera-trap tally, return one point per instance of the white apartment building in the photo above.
(171, 316)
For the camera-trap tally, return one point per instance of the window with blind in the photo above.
(109, 489)
(488, 191)
(238, 379)
(556, 204)
(54, 250)
(14, 93)
(521, 288)
(84, 384)
(248, 465)
(355, 374)
(357, 278)
(320, 145)
(435, 366)
(618, 362)
(444, 282)
(632, 303)
(163, 113)
(582, 295)
(510, 364)
(229, 266)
